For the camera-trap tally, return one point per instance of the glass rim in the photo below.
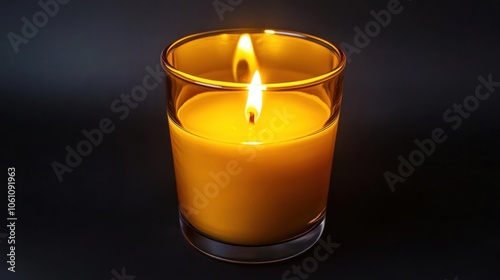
(235, 85)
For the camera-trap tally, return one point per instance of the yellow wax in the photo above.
(253, 184)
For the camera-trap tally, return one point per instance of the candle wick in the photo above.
(252, 118)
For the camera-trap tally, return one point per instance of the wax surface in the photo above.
(242, 192)
(221, 116)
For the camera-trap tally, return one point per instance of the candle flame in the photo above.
(244, 61)
(245, 70)
(254, 100)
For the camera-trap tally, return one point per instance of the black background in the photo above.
(117, 209)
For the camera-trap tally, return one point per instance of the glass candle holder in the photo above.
(253, 118)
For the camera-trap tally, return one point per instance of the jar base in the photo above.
(251, 254)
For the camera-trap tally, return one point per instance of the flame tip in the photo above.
(245, 69)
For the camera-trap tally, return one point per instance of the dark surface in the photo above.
(117, 209)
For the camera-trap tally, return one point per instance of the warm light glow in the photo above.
(254, 100)
(245, 70)
(269, 31)
(244, 61)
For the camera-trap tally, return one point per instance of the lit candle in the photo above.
(252, 165)
(253, 185)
